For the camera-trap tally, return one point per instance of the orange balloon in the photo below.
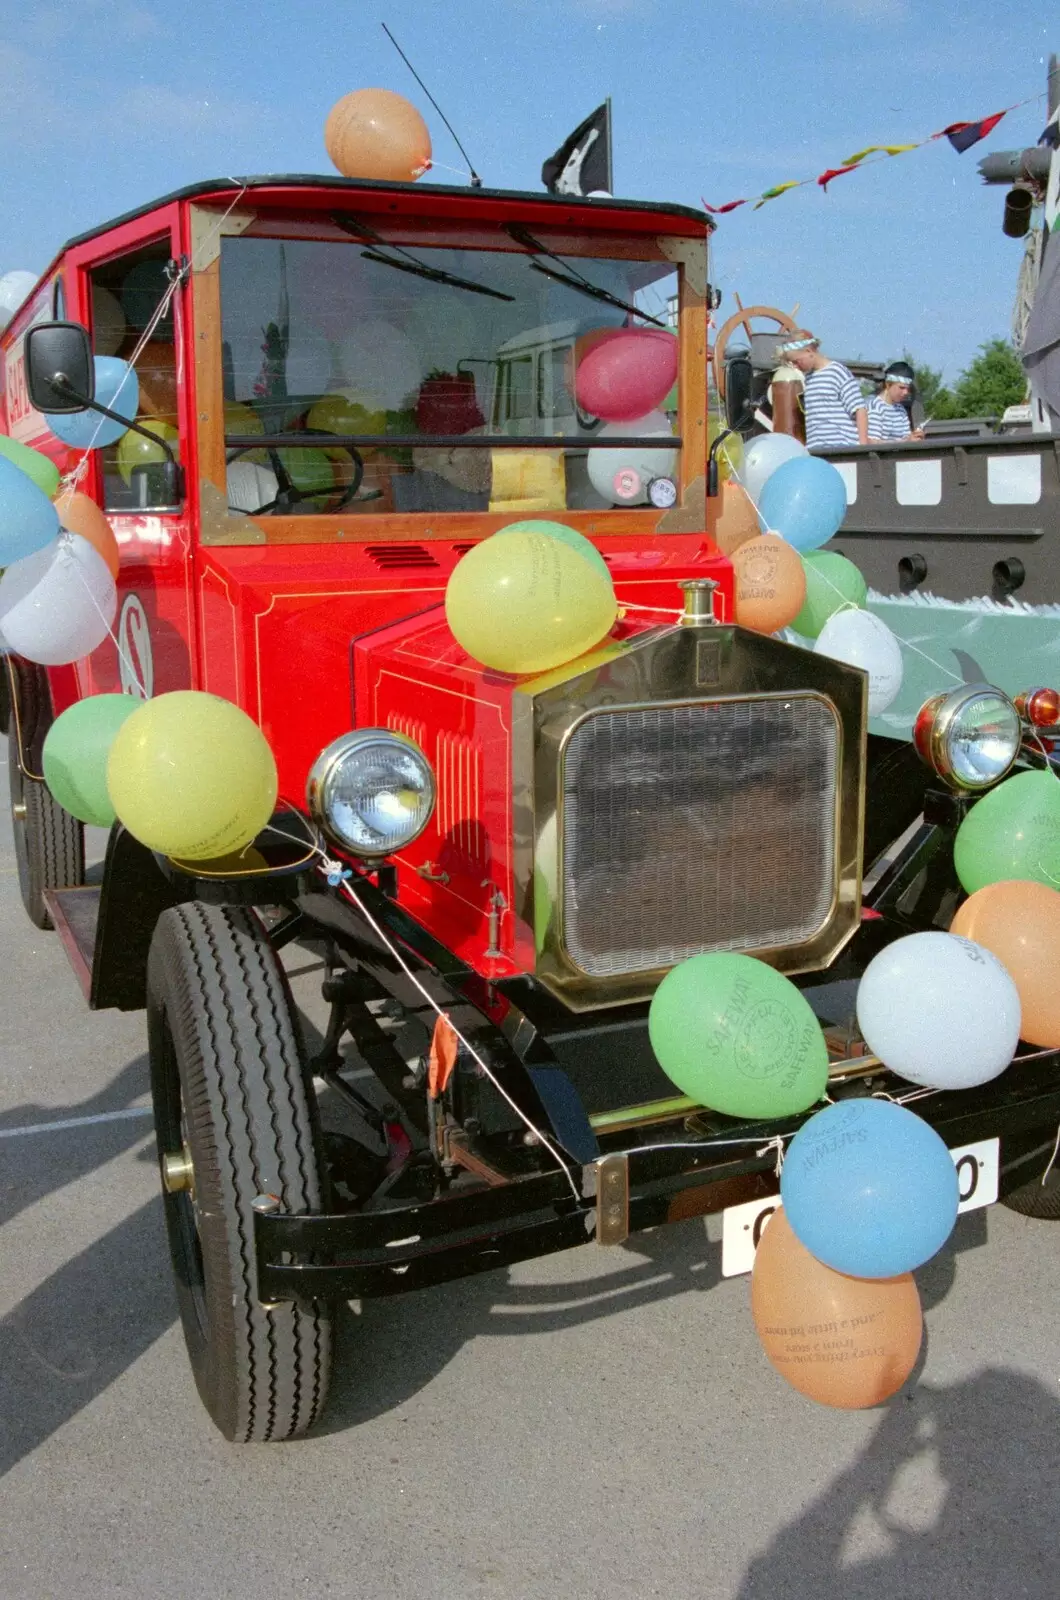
(157, 372)
(846, 1342)
(82, 515)
(737, 520)
(1019, 922)
(374, 133)
(770, 583)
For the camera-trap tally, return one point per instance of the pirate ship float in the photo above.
(958, 534)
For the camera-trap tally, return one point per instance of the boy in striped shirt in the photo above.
(888, 417)
(836, 410)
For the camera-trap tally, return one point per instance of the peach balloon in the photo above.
(770, 583)
(374, 133)
(1019, 922)
(81, 515)
(846, 1342)
(737, 520)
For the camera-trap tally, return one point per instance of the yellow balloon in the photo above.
(730, 451)
(527, 602)
(136, 451)
(191, 776)
(240, 418)
(339, 413)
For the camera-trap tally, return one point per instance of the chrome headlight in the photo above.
(372, 791)
(970, 737)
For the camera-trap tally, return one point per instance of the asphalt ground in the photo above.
(600, 1423)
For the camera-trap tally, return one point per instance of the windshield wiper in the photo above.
(572, 278)
(410, 263)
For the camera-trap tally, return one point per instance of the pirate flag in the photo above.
(582, 163)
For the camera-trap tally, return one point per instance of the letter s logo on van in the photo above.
(135, 660)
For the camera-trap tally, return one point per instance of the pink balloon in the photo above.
(625, 376)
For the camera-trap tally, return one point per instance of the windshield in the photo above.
(434, 349)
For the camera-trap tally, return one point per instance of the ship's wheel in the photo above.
(743, 318)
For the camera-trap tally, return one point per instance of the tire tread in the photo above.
(247, 1098)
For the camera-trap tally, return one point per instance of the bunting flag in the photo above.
(880, 149)
(836, 172)
(961, 135)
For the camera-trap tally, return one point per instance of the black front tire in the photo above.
(49, 842)
(229, 1082)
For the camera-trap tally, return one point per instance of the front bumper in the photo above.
(653, 1176)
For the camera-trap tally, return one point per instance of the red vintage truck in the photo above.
(318, 359)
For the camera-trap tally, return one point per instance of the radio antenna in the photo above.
(476, 181)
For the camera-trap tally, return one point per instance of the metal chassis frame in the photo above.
(371, 1254)
(689, 1169)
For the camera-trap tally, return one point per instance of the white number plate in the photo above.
(741, 1226)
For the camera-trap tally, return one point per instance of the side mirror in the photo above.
(739, 381)
(60, 375)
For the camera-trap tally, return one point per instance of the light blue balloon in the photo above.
(118, 387)
(869, 1188)
(28, 520)
(804, 500)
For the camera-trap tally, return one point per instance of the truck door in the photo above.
(121, 284)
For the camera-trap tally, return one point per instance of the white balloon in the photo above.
(251, 486)
(307, 369)
(641, 461)
(763, 456)
(381, 366)
(57, 605)
(14, 287)
(939, 1010)
(108, 322)
(861, 640)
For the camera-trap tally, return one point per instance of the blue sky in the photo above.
(108, 103)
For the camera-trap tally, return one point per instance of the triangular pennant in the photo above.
(719, 211)
(879, 149)
(835, 172)
(780, 188)
(962, 135)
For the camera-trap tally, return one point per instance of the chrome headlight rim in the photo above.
(327, 768)
(936, 725)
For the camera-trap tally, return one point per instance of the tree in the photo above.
(933, 394)
(994, 380)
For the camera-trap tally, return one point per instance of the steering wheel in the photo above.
(742, 318)
(289, 494)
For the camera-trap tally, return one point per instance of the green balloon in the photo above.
(570, 536)
(831, 582)
(45, 473)
(738, 1036)
(1012, 832)
(76, 751)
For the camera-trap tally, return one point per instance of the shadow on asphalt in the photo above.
(95, 1316)
(956, 1495)
(35, 1166)
(390, 1349)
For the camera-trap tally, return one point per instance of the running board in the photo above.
(75, 913)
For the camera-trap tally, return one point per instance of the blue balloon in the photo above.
(869, 1188)
(804, 500)
(118, 387)
(28, 520)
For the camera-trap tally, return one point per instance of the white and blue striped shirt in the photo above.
(887, 421)
(830, 396)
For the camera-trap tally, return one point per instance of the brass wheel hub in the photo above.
(178, 1174)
